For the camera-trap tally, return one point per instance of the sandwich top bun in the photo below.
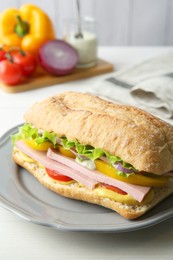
(135, 136)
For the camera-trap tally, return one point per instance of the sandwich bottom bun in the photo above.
(78, 192)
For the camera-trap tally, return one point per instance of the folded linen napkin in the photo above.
(148, 85)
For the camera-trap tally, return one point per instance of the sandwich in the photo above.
(87, 148)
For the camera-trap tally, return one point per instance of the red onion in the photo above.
(58, 57)
(121, 168)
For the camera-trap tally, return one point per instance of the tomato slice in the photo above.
(110, 187)
(57, 176)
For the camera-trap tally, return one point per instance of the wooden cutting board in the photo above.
(41, 79)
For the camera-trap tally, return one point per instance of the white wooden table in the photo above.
(20, 239)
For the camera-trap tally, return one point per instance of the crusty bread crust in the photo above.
(137, 137)
(75, 191)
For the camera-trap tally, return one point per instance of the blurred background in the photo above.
(119, 22)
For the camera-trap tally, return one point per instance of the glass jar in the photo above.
(85, 44)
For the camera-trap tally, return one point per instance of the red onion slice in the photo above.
(120, 167)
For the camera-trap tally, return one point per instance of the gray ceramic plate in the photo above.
(23, 195)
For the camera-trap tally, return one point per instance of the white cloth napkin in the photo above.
(148, 85)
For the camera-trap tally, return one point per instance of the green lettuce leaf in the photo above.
(87, 150)
(27, 131)
(67, 144)
(112, 158)
(46, 136)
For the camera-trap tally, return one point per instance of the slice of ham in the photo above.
(56, 166)
(136, 191)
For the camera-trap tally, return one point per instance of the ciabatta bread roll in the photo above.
(120, 156)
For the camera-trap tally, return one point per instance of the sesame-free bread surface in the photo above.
(78, 192)
(134, 135)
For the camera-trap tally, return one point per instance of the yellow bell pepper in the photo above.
(28, 28)
(41, 147)
(66, 152)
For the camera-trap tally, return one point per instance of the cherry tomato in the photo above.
(57, 176)
(26, 60)
(10, 73)
(2, 55)
(110, 187)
